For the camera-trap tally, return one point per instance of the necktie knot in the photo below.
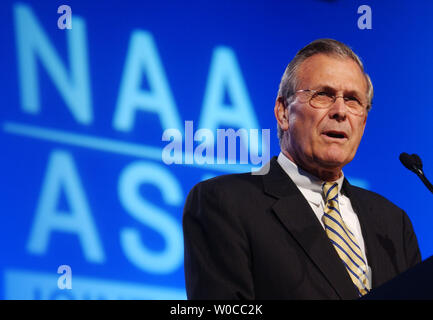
(330, 191)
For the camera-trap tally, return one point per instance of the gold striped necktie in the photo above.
(343, 239)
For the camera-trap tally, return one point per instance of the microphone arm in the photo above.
(423, 178)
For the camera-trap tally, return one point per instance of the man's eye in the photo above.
(352, 98)
(323, 93)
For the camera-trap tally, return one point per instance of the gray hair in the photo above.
(329, 47)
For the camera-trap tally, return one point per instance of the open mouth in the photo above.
(335, 134)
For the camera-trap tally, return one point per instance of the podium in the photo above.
(414, 284)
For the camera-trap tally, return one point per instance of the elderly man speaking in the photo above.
(300, 230)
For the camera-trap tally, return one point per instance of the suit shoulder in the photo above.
(229, 184)
(375, 199)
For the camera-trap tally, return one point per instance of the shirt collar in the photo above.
(309, 184)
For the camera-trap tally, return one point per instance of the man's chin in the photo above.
(334, 159)
(333, 163)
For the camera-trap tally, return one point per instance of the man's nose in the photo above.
(338, 109)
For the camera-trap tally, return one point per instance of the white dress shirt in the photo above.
(311, 188)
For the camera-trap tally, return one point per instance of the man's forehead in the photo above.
(340, 73)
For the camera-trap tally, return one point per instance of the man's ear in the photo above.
(280, 113)
(365, 120)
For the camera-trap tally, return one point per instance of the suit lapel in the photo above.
(294, 212)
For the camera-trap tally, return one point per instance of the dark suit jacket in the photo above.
(256, 237)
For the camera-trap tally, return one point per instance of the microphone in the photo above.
(417, 159)
(413, 163)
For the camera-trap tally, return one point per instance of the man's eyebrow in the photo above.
(353, 93)
(323, 87)
(328, 88)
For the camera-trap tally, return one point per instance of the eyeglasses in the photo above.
(324, 100)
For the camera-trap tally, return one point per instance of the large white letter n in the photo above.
(33, 43)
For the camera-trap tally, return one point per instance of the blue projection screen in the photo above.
(85, 107)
